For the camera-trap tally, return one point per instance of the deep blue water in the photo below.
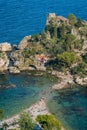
(19, 18)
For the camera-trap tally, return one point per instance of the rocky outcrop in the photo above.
(81, 81)
(56, 20)
(5, 47)
(22, 62)
(24, 43)
(14, 70)
(4, 62)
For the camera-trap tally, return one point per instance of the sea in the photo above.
(27, 17)
(19, 18)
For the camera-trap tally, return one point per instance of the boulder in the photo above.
(24, 43)
(81, 81)
(5, 47)
(14, 70)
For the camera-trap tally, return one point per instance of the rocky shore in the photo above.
(34, 51)
(15, 62)
(39, 108)
(65, 80)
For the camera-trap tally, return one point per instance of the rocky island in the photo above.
(60, 50)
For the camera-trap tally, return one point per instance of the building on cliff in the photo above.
(56, 19)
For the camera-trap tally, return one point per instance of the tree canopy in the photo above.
(72, 19)
(49, 122)
(25, 122)
(66, 59)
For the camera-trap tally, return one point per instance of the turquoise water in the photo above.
(70, 107)
(27, 90)
(19, 18)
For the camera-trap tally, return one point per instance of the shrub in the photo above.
(49, 122)
(66, 59)
(25, 122)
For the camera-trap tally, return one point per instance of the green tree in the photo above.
(79, 23)
(69, 42)
(72, 19)
(66, 59)
(80, 69)
(25, 122)
(49, 122)
(83, 31)
(5, 126)
(61, 31)
(55, 31)
(36, 37)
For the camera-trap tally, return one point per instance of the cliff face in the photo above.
(24, 43)
(4, 62)
(23, 62)
(4, 47)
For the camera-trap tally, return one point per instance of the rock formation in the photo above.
(5, 47)
(25, 42)
(81, 81)
(4, 61)
(14, 70)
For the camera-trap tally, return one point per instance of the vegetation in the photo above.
(79, 23)
(66, 59)
(80, 69)
(1, 114)
(72, 19)
(61, 41)
(84, 57)
(49, 122)
(26, 122)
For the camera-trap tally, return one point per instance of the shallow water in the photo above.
(19, 18)
(70, 107)
(27, 90)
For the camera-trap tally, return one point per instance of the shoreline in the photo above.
(38, 108)
(65, 80)
(41, 108)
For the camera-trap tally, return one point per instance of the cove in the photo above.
(70, 107)
(27, 89)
